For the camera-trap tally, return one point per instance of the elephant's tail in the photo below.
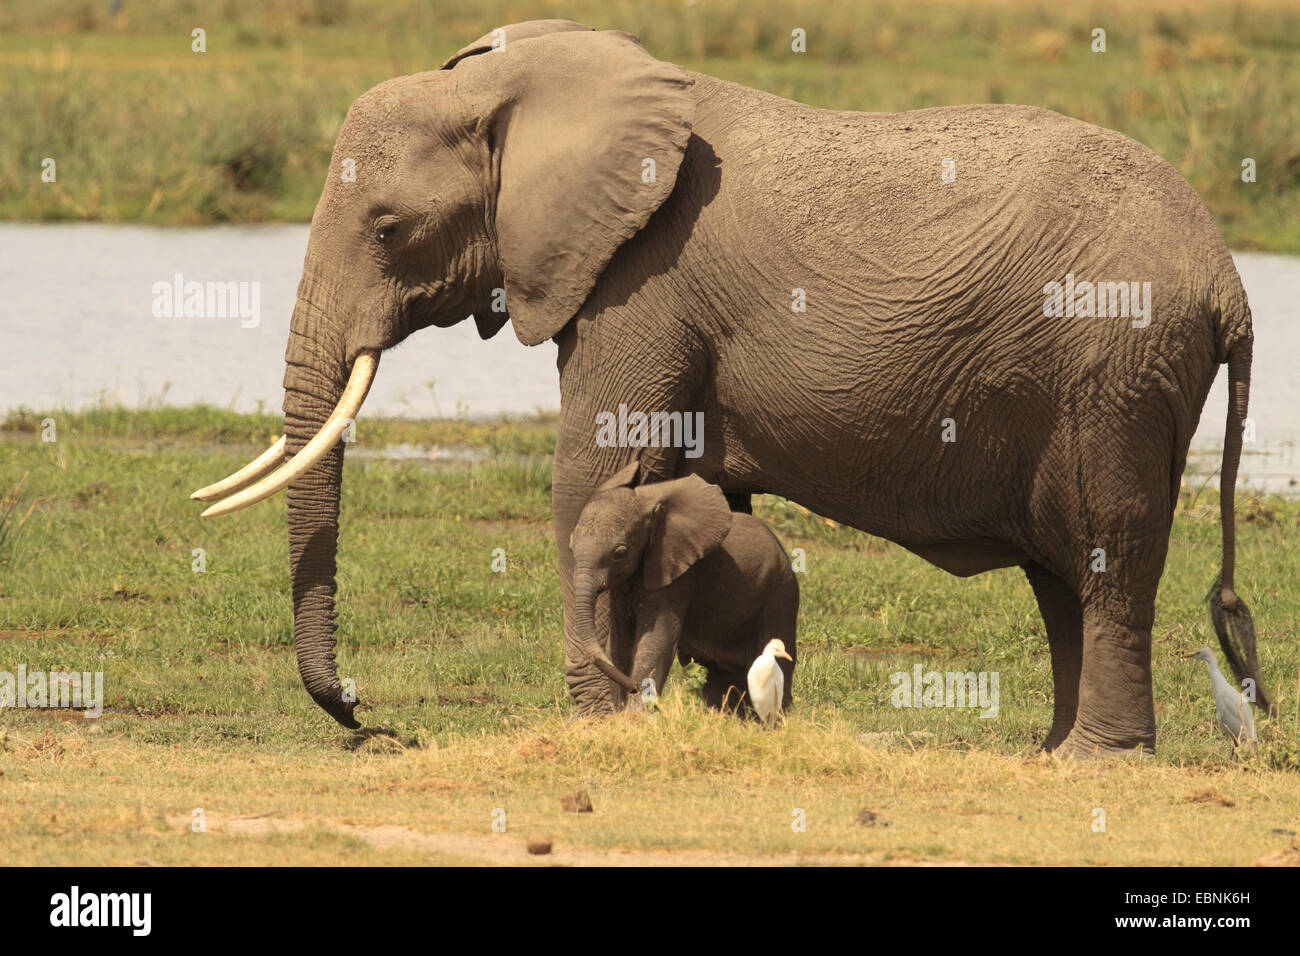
(1232, 621)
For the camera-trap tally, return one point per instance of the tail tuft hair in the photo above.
(1235, 629)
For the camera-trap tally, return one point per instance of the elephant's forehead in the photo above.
(376, 131)
(372, 147)
(609, 514)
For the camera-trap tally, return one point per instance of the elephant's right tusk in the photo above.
(354, 394)
(254, 470)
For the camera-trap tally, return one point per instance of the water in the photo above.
(1272, 461)
(76, 314)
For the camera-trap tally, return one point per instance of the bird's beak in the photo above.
(1188, 657)
(782, 654)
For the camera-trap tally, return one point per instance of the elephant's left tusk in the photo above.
(255, 469)
(363, 373)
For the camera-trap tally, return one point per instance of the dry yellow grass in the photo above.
(681, 786)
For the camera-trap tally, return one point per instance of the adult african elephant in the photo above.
(860, 304)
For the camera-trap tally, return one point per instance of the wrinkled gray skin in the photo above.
(686, 578)
(526, 169)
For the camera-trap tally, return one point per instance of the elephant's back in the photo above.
(918, 233)
(915, 188)
(921, 247)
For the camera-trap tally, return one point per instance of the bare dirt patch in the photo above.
(508, 848)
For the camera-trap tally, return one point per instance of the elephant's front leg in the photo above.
(665, 374)
(659, 619)
(592, 691)
(572, 484)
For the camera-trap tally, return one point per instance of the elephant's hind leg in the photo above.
(1063, 617)
(1116, 710)
(725, 690)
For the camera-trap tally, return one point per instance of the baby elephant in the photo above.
(685, 576)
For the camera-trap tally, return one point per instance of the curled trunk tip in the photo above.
(585, 603)
(338, 708)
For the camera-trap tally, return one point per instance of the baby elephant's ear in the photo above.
(693, 520)
(625, 477)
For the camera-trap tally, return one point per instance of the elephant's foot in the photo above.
(1081, 744)
(1115, 712)
(593, 693)
(638, 705)
(600, 707)
(1061, 727)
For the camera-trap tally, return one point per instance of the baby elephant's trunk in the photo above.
(586, 590)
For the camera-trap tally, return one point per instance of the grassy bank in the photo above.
(460, 673)
(144, 130)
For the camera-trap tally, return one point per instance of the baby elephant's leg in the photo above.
(724, 690)
(654, 659)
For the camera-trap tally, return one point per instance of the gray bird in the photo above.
(1236, 719)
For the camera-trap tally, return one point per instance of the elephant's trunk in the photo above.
(314, 380)
(586, 590)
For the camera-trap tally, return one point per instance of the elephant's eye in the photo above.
(620, 552)
(385, 231)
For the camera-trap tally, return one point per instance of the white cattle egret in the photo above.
(767, 683)
(1230, 705)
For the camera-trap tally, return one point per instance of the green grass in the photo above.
(461, 670)
(207, 424)
(144, 130)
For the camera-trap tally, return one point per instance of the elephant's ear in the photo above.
(692, 520)
(586, 138)
(502, 37)
(498, 39)
(625, 477)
